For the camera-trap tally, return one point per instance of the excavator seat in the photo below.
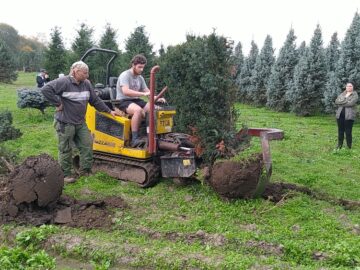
(112, 85)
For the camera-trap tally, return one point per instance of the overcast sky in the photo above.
(168, 22)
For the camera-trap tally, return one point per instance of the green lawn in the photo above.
(172, 227)
(38, 135)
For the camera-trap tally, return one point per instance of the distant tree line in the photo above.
(304, 79)
(26, 54)
(58, 59)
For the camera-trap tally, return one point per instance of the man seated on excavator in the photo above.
(130, 87)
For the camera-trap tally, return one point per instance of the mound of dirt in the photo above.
(31, 194)
(233, 179)
(38, 181)
(69, 212)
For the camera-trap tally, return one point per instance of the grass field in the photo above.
(176, 227)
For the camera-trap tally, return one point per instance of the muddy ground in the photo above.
(32, 193)
(277, 192)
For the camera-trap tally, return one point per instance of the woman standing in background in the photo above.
(345, 114)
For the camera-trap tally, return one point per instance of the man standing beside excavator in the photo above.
(71, 94)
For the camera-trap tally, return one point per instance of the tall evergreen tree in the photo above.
(82, 42)
(56, 55)
(199, 71)
(302, 49)
(138, 43)
(282, 73)
(107, 41)
(348, 66)
(244, 78)
(309, 78)
(261, 73)
(7, 67)
(332, 90)
(238, 59)
(332, 53)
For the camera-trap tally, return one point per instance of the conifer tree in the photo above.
(301, 50)
(238, 59)
(261, 73)
(332, 90)
(7, 67)
(32, 98)
(56, 55)
(82, 42)
(332, 53)
(138, 43)
(348, 66)
(244, 78)
(205, 96)
(107, 41)
(282, 73)
(7, 131)
(309, 78)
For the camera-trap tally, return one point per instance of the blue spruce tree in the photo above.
(56, 55)
(348, 66)
(244, 78)
(332, 54)
(309, 78)
(282, 75)
(261, 73)
(238, 59)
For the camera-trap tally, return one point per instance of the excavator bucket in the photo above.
(266, 135)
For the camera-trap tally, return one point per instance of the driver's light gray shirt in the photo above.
(134, 82)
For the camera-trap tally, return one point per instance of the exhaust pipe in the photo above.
(151, 136)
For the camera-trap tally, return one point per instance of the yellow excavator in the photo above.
(164, 153)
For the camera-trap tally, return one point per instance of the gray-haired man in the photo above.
(71, 94)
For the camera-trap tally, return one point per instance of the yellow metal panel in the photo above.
(109, 144)
(165, 122)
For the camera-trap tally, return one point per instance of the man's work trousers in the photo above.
(68, 134)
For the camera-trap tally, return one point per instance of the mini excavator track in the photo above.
(144, 173)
